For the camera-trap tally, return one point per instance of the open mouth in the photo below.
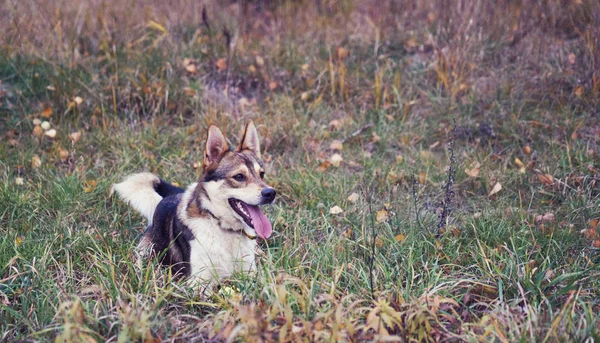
(253, 217)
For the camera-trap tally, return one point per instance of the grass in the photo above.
(141, 83)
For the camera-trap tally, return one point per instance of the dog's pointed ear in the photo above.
(249, 140)
(216, 146)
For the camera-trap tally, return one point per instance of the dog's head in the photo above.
(234, 182)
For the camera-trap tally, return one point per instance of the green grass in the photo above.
(497, 273)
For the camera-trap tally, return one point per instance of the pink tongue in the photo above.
(261, 223)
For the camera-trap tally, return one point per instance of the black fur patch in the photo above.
(170, 237)
(165, 189)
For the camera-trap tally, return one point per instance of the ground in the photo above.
(436, 165)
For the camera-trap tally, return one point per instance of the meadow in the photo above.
(437, 167)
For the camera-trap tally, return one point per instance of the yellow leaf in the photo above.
(520, 164)
(379, 242)
(579, 91)
(497, 188)
(89, 186)
(400, 237)
(157, 26)
(382, 215)
(36, 162)
(18, 240)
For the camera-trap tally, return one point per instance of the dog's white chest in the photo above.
(216, 253)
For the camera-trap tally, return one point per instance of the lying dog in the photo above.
(208, 231)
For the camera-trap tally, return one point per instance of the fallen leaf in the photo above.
(51, 133)
(422, 178)
(382, 215)
(36, 162)
(336, 160)
(45, 125)
(379, 242)
(521, 165)
(336, 145)
(63, 154)
(399, 158)
(260, 61)
(545, 218)
(342, 53)
(347, 233)
(46, 112)
(75, 136)
(191, 68)
(19, 180)
(89, 186)
(221, 64)
(335, 210)
(474, 169)
(546, 179)
(353, 198)
(78, 100)
(579, 91)
(400, 238)
(273, 85)
(324, 166)
(18, 240)
(38, 131)
(335, 125)
(497, 188)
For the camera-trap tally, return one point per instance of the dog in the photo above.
(208, 231)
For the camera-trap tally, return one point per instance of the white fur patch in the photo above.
(138, 191)
(216, 252)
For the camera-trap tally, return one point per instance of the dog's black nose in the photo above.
(268, 194)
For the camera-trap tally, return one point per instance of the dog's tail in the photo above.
(143, 191)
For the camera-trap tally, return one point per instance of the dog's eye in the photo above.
(262, 174)
(240, 177)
